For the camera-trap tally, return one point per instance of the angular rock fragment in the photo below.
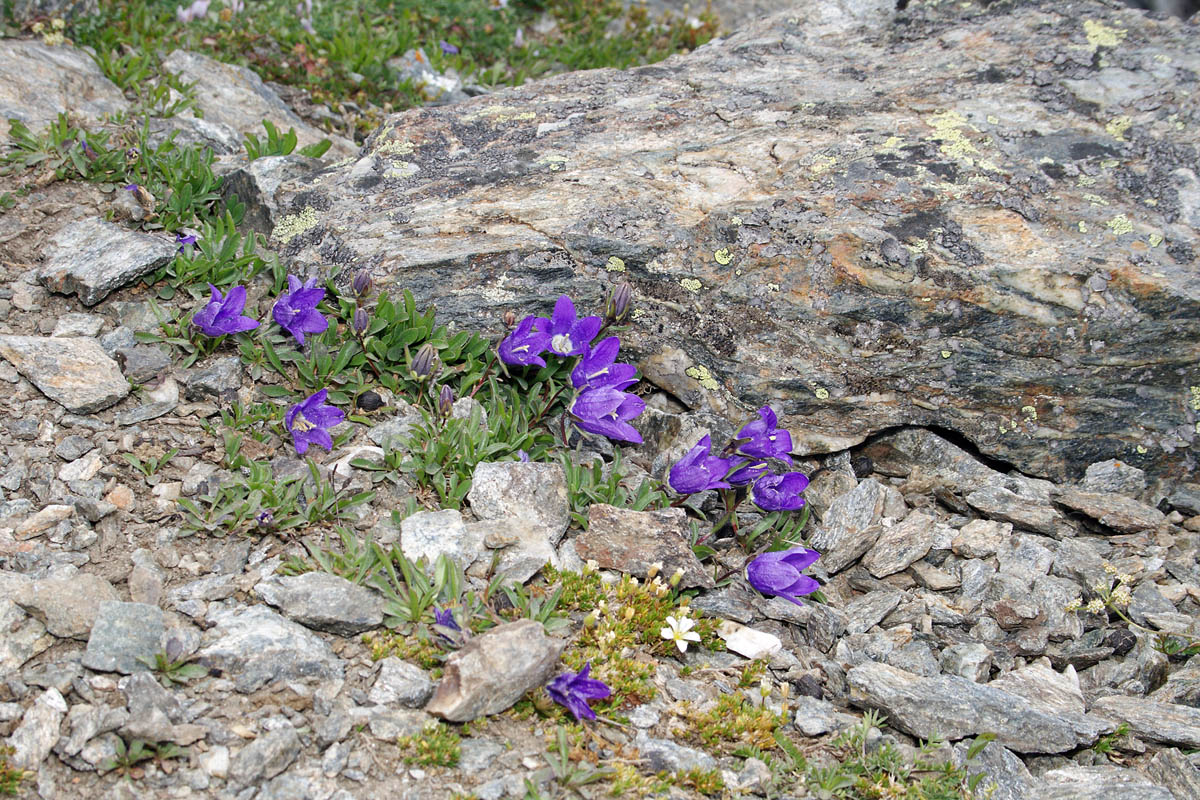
(256, 183)
(92, 258)
(429, 534)
(265, 757)
(38, 731)
(255, 646)
(851, 526)
(1122, 514)
(73, 372)
(324, 602)
(955, 708)
(1168, 723)
(633, 541)
(400, 683)
(1099, 783)
(125, 638)
(492, 671)
(531, 492)
(66, 606)
(901, 545)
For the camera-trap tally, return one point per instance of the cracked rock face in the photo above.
(978, 219)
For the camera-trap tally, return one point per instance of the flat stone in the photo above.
(218, 379)
(429, 534)
(86, 325)
(955, 708)
(1114, 476)
(386, 724)
(981, 538)
(92, 258)
(125, 637)
(81, 469)
(662, 755)
(1168, 723)
(749, 642)
(972, 661)
(324, 602)
(864, 613)
(1099, 783)
(72, 447)
(1054, 693)
(43, 520)
(816, 717)
(39, 81)
(74, 372)
(1001, 768)
(524, 548)
(265, 757)
(493, 670)
(1001, 503)
(237, 97)
(400, 683)
(38, 732)
(1122, 514)
(851, 526)
(901, 544)
(255, 647)
(633, 541)
(534, 493)
(66, 606)
(21, 637)
(142, 363)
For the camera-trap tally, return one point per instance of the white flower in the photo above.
(680, 632)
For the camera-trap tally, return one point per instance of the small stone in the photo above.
(524, 549)
(255, 646)
(324, 602)
(81, 469)
(143, 363)
(428, 534)
(74, 372)
(218, 380)
(1000, 503)
(400, 683)
(981, 538)
(1121, 513)
(21, 636)
(38, 731)
(815, 717)
(78, 325)
(1104, 782)
(121, 496)
(391, 433)
(493, 670)
(43, 520)
(73, 446)
(749, 642)
(93, 257)
(534, 493)
(901, 545)
(67, 606)
(851, 526)
(1114, 476)
(869, 610)
(215, 761)
(386, 724)
(633, 541)
(972, 661)
(1172, 770)
(661, 755)
(265, 757)
(125, 637)
(369, 401)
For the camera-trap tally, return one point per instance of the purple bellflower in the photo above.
(780, 492)
(607, 411)
(780, 573)
(569, 335)
(597, 369)
(223, 315)
(296, 309)
(574, 691)
(445, 618)
(747, 472)
(524, 346)
(309, 422)
(184, 241)
(447, 48)
(765, 439)
(698, 471)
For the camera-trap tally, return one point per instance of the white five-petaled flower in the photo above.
(680, 632)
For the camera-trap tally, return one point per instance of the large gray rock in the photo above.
(40, 81)
(125, 638)
(1168, 723)
(255, 646)
(73, 372)
(531, 492)
(983, 306)
(92, 258)
(492, 671)
(1099, 783)
(66, 606)
(324, 602)
(235, 96)
(31, 10)
(955, 708)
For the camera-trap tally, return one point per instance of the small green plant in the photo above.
(221, 256)
(537, 604)
(600, 483)
(150, 466)
(281, 145)
(1107, 744)
(566, 772)
(174, 669)
(436, 746)
(10, 776)
(64, 150)
(357, 561)
(7, 201)
(130, 754)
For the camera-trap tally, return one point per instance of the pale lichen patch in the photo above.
(293, 225)
(1155, 239)
(821, 393)
(1083, 228)
(822, 164)
(1101, 35)
(701, 375)
(691, 284)
(1195, 401)
(1120, 224)
(723, 256)
(615, 264)
(1118, 126)
(947, 129)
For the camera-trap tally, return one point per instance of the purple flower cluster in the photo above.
(747, 461)
(601, 404)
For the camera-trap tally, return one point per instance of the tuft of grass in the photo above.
(436, 746)
(10, 776)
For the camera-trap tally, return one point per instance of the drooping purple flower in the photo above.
(607, 411)
(747, 472)
(296, 309)
(223, 315)
(183, 241)
(780, 492)
(88, 152)
(573, 691)
(309, 422)
(597, 367)
(569, 335)
(765, 439)
(445, 618)
(524, 346)
(447, 48)
(780, 573)
(698, 471)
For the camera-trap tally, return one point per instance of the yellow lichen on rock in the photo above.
(293, 225)
(1120, 224)
(702, 376)
(1100, 35)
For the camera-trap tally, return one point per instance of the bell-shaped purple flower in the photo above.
(524, 346)
(780, 573)
(765, 440)
(296, 309)
(746, 472)
(607, 411)
(597, 367)
(223, 315)
(780, 492)
(575, 690)
(569, 336)
(309, 422)
(698, 471)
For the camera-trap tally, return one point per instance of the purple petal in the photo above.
(563, 317)
(799, 558)
(770, 576)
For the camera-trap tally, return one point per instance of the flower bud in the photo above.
(628, 613)
(132, 155)
(446, 401)
(362, 321)
(676, 578)
(510, 318)
(616, 309)
(362, 284)
(174, 649)
(422, 363)
(88, 152)
(654, 569)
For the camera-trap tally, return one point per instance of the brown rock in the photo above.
(631, 541)
(1116, 511)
